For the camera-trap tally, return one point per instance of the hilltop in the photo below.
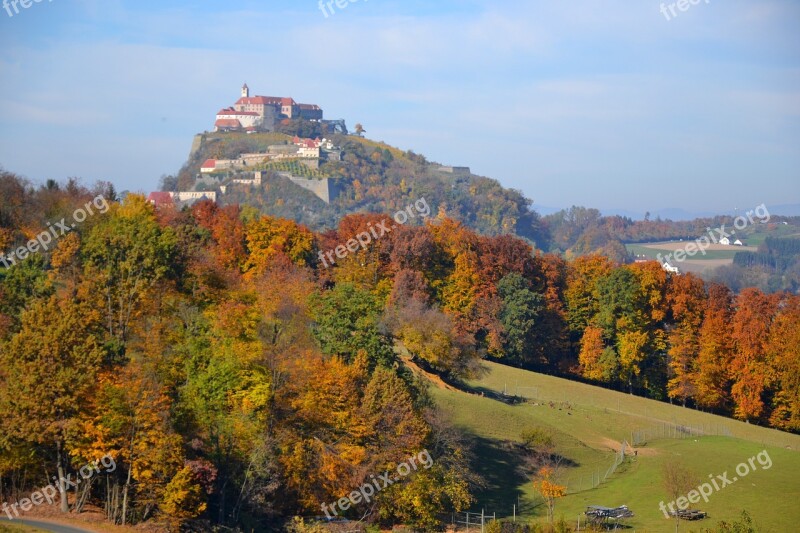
(363, 175)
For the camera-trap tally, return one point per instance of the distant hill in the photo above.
(680, 214)
(371, 177)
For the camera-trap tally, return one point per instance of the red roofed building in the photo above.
(227, 124)
(160, 199)
(310, 111)
(308, 148)
(209, 166)
(230, 119)
(270, 109)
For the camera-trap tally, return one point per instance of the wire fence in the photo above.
(593, 479)
(472, 521)
(665, 425)
(640, 437)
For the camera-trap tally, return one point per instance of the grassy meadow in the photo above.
(589, 423)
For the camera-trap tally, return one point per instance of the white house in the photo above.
(188, 196)
(230, 119)
(669, 268)
(737, 242)
(209, 166)
(725, 241)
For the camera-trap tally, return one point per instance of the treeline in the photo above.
(236, 380)
(774, 267)
(774, 255)
(581, 230)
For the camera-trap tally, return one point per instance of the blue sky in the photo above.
(598, 103)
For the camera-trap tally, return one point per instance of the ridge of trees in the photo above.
(236, 381)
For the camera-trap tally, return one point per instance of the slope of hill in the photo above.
(589, 424)
(372, 177)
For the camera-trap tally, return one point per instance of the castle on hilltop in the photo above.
(262, 113)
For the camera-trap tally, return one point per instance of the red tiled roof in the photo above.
(232, 111)
(274, 100)
(259, 100)
(228, 123)
(210, 163)
(160, 198)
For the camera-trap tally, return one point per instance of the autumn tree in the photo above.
(715, 349)
(581, 295)
(366, 267)
(784, 356)
(431, 336)
(129, 420)
(687, 299)
(750, 331)
(225, 403)
(270, 239)
(549, 490)
(591, 356)
(49, 370)
(125, 255)
(183, 498)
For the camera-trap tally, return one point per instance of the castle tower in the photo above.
(245, 91)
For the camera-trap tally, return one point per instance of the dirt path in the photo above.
(433, 378)
(629, 450)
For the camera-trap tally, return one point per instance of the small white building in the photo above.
(229, 119)
(737, 242)
(209, 166)
(193, 196)
(669, 268)
(725, 241)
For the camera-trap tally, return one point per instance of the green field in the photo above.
(651, 253)
(753, 236)
(588, 422)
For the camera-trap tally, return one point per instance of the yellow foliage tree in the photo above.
(268, 238)
(183, 499)
(592, 347)
(549, 490)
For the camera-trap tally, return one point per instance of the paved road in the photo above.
(45, 526)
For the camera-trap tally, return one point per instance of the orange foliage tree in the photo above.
(549, 489)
